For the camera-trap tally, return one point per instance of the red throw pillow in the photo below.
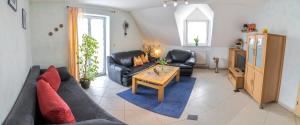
(52, 106)
(52, 76)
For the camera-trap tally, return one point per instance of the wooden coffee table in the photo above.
(150, 79)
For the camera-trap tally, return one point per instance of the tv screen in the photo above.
(240, 62)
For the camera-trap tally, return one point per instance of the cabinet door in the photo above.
(257, 86)
(260, 47)
(249, 79)
(251, 50)
(297, 108)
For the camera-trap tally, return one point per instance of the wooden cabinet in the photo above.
(264, 60)
(235, 75)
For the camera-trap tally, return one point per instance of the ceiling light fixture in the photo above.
(186, 2)
(174, 2)
(165, 4)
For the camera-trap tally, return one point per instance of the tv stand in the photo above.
(235, 75)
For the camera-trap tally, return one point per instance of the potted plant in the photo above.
(162, 62)
(196, 40)
(88, 60)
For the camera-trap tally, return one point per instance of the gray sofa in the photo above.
(86, 112)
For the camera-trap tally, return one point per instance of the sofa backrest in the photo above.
(180, 55)
(126, 58)
(24, 110)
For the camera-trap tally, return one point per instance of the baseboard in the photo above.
(201, 66)
(286, 107)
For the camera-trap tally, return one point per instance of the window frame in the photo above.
(206, 44)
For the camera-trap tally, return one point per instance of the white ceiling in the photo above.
(131, 5)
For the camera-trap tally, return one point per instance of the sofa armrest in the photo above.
(192, 60)
(112, 65)
(168, 57)
(115, 71)
(94, 122)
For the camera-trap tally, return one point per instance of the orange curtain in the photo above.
(73, 41)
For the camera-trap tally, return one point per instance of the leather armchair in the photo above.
(183, 59)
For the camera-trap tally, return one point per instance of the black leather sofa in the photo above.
(86, 112)
(183, 59)
(120, 66)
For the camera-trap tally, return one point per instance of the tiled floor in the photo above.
(212, 99)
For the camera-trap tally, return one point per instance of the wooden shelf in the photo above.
(235, 75)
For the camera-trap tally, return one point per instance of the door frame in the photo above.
(89, 17)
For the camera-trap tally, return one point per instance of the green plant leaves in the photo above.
(88, 59)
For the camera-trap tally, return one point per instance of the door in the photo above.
(251, 50)
(95, 26)
(260, 47)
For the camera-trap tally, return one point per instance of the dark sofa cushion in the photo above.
(126, 58)
(180, 55)
(94, 122)
(123, 59)
(135, 70)
(82, 106)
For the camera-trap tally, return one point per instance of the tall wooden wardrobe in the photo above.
(264, 61)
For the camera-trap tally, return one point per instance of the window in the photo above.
(197, 29)
(95, 26)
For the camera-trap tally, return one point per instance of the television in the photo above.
(240, 62)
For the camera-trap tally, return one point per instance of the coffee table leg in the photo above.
(161, 94)
(177, 76)
(134, 86)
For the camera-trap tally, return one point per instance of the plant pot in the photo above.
(85, 83)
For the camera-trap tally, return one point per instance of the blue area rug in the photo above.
(176, 97)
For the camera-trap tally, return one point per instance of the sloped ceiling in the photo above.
(131, 5)
(157, 23)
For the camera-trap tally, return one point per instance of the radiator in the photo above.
(201, 57)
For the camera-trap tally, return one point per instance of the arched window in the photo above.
(195, 22)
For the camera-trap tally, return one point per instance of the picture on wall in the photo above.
(13, 4)
(24, 18)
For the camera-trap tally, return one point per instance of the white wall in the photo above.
(283, 17)
(49, 50)
(54, 50)
(15, 55)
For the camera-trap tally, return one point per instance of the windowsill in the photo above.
(195, 46)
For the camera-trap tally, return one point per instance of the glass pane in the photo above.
(83, 28)
(197, 29)
(97, 32)
(250, 50)
(259, 51)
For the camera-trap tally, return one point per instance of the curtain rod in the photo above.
(112, 11)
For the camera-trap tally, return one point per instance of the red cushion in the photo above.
(52, 106)
(52, 76)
